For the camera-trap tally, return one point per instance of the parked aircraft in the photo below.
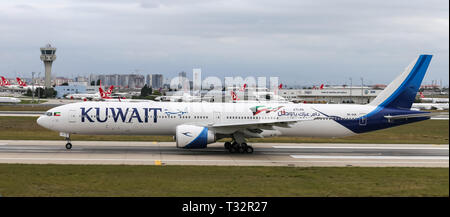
(430, 106)
(9, 100)
(432, 100)
(100, 95)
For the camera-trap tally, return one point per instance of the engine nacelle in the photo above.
(191, 136)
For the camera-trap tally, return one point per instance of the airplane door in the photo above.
(216, 117)
(363, 119)
(72, 116)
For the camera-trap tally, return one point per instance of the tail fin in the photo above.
(234, 96)
(421, 95)
(20, 82)
(5, 81)
(105, 94)
(243, 88)
(401, 92)
(102, 93)
(109, 92)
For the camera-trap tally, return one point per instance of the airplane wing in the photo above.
(257, 123)
(252, 128)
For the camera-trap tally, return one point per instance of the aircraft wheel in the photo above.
(249, 149)
(234, 147)
(227, 145)
(243, 148)
(68, 145)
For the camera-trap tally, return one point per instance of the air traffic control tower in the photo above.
(48, 56)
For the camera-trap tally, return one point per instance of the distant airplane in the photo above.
(258, 96)
(106, 94)
(20, 84)
(432, 100)
(243, 88)
(430, 106)
(9, 100)
(318, 88)
(24, 85)
(186, 97)
(101, 95)
(234, 97)
(194, 125)
(7, 84)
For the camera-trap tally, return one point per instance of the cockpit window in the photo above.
(49, 114)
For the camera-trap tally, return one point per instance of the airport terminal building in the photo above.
(358, 95)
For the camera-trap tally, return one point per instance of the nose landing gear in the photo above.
(68, 145)
(67, 138)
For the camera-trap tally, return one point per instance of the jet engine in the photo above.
(191, 136)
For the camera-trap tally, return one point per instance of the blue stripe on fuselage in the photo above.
(377, 121)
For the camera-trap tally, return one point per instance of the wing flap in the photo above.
(259, 124)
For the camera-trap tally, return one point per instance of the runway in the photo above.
(22, 113)
(266, 154)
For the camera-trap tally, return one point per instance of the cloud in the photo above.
(314, 39)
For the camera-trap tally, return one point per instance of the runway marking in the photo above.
(362, 147)
(217, 161)
(26, 149)
(20, 115)
(371, 157)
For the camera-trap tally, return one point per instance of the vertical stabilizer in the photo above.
(401, 92)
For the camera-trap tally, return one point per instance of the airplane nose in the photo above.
(41, 121)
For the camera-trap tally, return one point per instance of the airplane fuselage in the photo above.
(161, 118)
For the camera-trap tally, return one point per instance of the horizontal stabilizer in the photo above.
(416, 115)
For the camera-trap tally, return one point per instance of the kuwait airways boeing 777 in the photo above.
(197, 124)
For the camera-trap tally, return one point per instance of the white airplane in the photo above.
(23, 84)
(84, 96)
(432, 100)
(5, 83)
(197, 124)
(429, 106)
(186, 97)
(9, 100)
(20, 84)
(100, 95)
(261, 96)
(258, 94)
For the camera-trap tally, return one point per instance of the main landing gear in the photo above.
(235, 147)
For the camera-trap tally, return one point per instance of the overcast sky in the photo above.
(302, 42)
